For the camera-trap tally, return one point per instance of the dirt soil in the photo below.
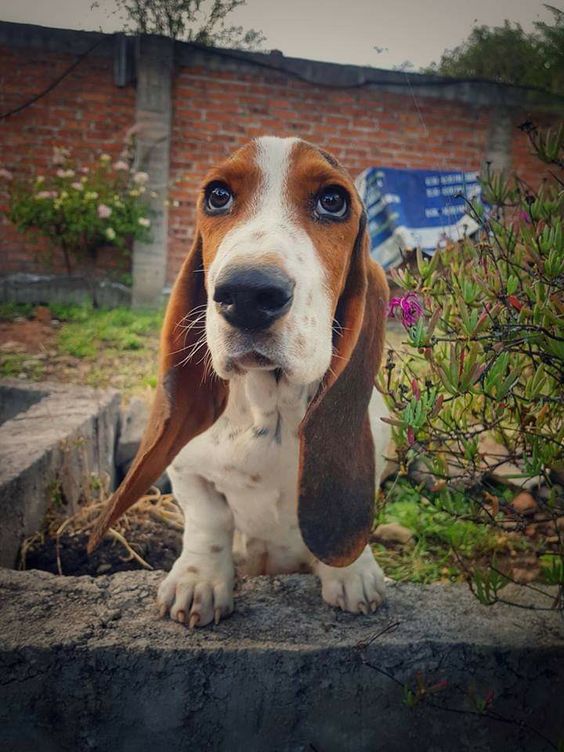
(158, 545)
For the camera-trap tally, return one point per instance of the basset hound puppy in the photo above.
(265, 412)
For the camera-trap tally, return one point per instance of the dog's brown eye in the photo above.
(218, 197)
(333, 202)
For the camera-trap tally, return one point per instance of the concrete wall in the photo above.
(86, 664)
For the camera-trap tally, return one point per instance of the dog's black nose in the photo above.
(253, 298)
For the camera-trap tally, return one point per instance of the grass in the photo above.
(87, 332)
(443, 524)
(101, 348)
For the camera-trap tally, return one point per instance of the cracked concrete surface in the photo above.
(86, 664)
(52, 438)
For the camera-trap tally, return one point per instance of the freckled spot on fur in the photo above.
(229, 468)
(301, 258)
(278, 430)
(216, 549)
(260, 432)
(300, 344)
(256, 478)
(194, 570)
(197, 599)
(309, 300)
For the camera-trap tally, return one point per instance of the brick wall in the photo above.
(217, 112)
(219, 101)
(86, 113)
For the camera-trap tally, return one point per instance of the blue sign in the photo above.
(416, 209)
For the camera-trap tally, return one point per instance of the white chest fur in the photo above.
(250, 457)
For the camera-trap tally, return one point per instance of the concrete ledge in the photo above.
(85, 664)
(47, 289)
(52, 438)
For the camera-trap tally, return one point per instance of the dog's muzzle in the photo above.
(253, 299)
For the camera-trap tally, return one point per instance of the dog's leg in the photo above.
(199, 587)
(358, 588)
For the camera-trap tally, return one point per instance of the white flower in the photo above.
(44, 194)
(90, 195)
(110, 233)
(77, 186)
(144, 222)
(60, 155)
(105, 158)
(133, 192)
(120, 165)
(39, 179)
(104, 211)
(140, 178)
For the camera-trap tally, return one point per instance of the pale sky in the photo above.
(342, 31)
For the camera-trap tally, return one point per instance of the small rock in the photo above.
(392, 532)
(55, 323)
(103, 568)
(524, 503)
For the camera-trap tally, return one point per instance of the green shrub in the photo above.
(479, 386)
(80, 208)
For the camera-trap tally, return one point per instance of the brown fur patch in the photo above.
(194, 570)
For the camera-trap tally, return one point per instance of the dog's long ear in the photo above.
(187, 400)
(336, 484)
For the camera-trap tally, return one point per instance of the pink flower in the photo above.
(121, 165)
(524, 216)
(5, 174)
(104, 211)
(409, 306)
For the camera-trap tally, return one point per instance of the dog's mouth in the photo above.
(252, 359)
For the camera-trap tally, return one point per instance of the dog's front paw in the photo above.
(196, 594)
(358, 588)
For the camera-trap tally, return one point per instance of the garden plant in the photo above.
(81, 207)
(476, 393)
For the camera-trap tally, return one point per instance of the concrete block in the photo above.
(47, 289)
(54, 438)
(86, 664)
(132, 425)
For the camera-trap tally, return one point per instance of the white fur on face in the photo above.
(301, 342)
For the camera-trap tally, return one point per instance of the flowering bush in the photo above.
(479, 387)
(81, 208)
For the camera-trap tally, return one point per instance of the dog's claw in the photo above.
(363, 608)
(194, 621)
(341, 602)
(217, 615)
(181, 617)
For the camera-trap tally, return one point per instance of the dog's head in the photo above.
(278, 278)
